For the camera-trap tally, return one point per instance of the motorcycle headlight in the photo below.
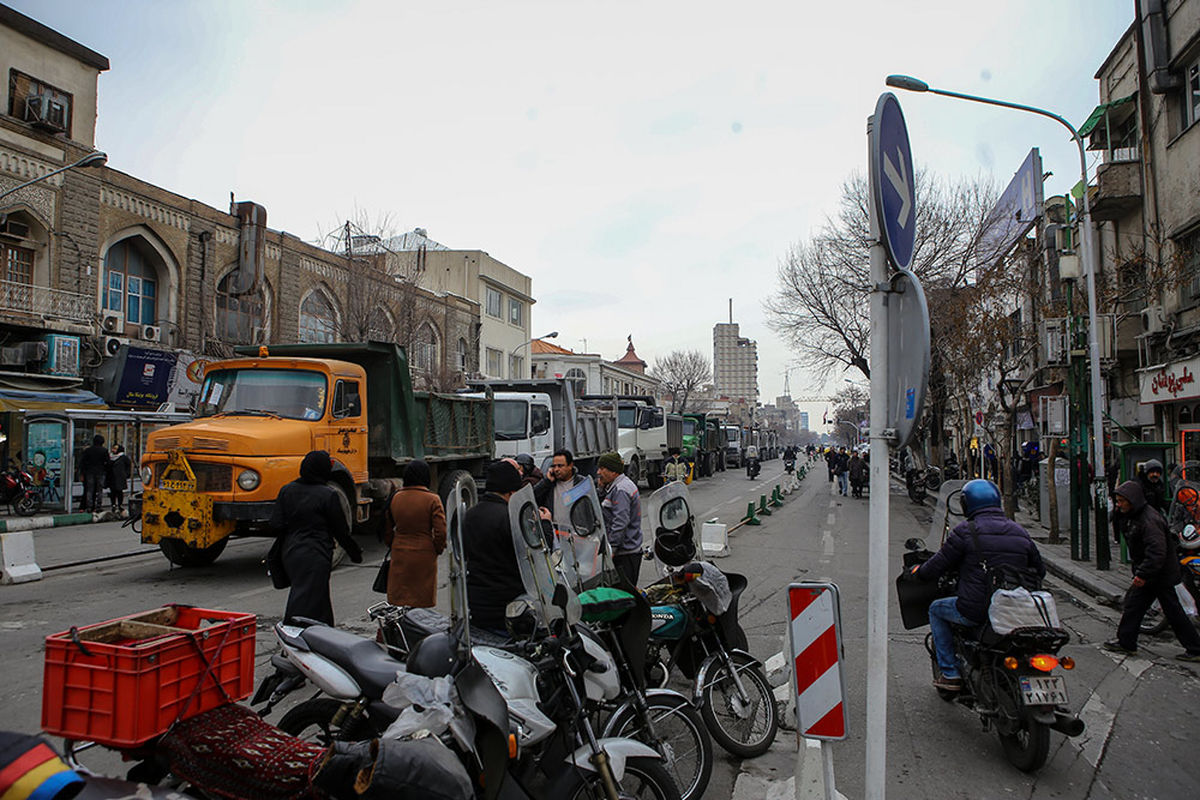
(248, 480)
(147, 475)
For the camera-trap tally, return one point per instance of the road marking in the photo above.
(827, 542)
(831, 518)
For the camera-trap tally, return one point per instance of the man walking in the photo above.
(93, 464)
(1155, 572)
(622, 509)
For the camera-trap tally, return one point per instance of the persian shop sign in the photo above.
(1169, 382)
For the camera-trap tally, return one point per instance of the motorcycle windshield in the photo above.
(670, 518)
(538, 570)
(586, 555)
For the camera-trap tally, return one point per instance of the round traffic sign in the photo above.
(908, 355)
(893, 180)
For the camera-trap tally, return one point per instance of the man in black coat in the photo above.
(310, 517)
(93, 465)
(987, 535)
(119, 470)
(1155, 572)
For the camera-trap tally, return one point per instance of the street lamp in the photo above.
(96, 159)
(1087, 243)
(550, 335)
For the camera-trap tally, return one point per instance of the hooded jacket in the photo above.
(1151, 546)
(1002, 541)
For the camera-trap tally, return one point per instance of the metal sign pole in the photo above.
(877, 572)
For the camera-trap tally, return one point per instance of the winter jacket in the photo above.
(94, 460)
(622, 508)
(1151, 546)
(417, 537)
(1003, 542)
(493, 576)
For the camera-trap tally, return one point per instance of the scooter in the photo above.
(18, 492)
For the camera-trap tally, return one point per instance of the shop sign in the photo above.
(185, 380)
(145, 378)
(1176, 381)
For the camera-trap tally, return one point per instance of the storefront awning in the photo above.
(1098, 114)
(17, 399)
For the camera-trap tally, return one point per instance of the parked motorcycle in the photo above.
(1007, 669)
(695, 628)
(18, 492)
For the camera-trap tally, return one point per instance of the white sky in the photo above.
(643, 161)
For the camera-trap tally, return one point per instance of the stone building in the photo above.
(590, 373)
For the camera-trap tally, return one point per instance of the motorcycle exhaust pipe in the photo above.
(1067, 724)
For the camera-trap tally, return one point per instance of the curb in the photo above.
(1095, 586)
(54, 521)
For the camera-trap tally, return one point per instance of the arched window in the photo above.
(379, 325)
(424, 355)
(131, 281)
(239, 317)
(462, 354)
(578, 379)
(318, 319)
(1185, 415)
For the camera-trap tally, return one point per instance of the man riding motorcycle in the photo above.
(1002, 542)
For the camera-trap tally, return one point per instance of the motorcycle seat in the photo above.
(418, 623)
(362, 658)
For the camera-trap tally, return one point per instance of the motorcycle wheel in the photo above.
(1027, 748)
(750, 733)
(27, 504)
(645, 779)
(312, 721)
(681, 738)
(1153, 621)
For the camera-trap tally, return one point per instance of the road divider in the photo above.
(18, 562)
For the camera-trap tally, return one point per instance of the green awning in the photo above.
(1098, 114)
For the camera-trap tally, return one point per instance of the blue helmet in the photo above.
(978, 495)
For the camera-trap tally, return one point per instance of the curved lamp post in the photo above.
(96, 159)
(550, 335)
(1087, 244)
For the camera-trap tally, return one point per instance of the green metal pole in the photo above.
(1072, 430)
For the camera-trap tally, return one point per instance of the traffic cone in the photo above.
(750, 518)
(763, 511)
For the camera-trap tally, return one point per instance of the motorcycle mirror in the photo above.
(915, 543)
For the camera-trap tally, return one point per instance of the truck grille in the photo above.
(167, 442)
(206, 443)
(209, 477)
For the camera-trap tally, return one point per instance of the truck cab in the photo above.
(645, 432)
(524, 424)
(733, 445)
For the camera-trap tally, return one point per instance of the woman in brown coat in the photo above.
(416, 538)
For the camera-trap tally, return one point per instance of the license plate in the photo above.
(1047, 691)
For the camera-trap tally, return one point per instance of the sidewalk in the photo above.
(1107, 586)
(13, 523)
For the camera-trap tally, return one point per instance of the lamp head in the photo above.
(551, 335)
(907, 82)
(96, 159)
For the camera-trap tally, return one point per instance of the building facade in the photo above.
(589, 372)
(735, 365)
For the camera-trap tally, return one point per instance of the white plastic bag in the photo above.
(1020, 608)
(1185, 599)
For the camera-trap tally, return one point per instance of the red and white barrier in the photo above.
(819, 689)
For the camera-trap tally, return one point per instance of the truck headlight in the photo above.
(147, 476)
(248, 480)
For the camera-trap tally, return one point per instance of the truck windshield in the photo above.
(689, 427)
(627, 417)
(511, 419)
(291, 393)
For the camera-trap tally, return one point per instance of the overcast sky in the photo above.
(643, 162)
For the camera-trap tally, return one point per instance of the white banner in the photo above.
(1169, 382)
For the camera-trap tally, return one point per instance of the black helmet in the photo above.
(978, 495)
(526, 463)
(675, 547)
(433, 656)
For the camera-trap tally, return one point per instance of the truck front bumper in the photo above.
(194, 518)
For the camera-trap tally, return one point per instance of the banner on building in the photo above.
(1170, 382)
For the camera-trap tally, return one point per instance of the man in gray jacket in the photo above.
(622, 508)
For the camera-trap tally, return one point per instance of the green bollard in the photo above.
(763, 511)
(777, 497)
(750, 518)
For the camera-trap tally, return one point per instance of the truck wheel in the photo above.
(453, 486)
(710, 465)
(182, 554)
(339, 552)
(633, 470)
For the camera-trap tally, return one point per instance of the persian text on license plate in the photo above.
(1043, 691)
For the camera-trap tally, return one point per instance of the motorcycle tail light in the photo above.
(1066, 662)
(1010, 662)
(712, 620)
(1043, 662)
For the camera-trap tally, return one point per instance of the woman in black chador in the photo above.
(309, 516)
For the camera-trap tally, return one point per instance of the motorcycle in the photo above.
(1007, 664)
(752, 468)
(695, 628)
(789, 465)
(18, 492)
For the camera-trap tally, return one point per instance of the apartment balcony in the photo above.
(40, 303)
(1118, 185)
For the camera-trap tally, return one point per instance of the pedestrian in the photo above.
(1154, 488)
(416, 537)
(675, 468)
(841, 469)
(858, 474)
(119, 471)
(1155, 566)
(93, 464)
(622, 509)
(830, 462)
(309, 517)
(530, 474)
(551, 491)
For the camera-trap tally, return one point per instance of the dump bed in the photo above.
(404, 424)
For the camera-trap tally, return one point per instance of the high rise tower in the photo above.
(735, 364)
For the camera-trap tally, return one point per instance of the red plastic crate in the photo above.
(143, 672)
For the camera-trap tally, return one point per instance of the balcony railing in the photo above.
(42, 301)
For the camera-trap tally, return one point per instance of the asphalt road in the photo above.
(1141, 733)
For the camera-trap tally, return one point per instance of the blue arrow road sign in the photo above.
(892, 176)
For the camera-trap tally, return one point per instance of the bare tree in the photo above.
(681, 374)
(851, 406)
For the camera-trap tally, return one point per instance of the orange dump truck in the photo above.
(258, 415)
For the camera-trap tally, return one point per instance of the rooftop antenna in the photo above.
(787, 388)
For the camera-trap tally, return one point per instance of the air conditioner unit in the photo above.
(1152, 319)
(62, 357)
(151, 333)
(113, 344)
(112, 322)
(44, 111)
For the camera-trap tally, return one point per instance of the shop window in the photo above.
(131, 281)
(38, 103)
(239, 317)
(318, 318)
